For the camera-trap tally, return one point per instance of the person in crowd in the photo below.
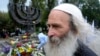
(43, 38)
(4, 33)
(17, 31)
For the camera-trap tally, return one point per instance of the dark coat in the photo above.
(83, 50)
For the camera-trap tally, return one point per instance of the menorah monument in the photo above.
(25, 15)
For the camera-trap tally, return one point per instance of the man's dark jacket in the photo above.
(83, 50)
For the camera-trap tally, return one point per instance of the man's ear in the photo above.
(73, 28)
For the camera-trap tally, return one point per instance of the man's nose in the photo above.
(51, 32)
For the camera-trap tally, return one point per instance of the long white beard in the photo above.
(67, 47)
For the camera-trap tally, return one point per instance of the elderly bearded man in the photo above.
(65, 26)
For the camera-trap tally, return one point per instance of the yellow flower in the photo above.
(24, 36)
(12, 42)
(29, 49)
(21, 49)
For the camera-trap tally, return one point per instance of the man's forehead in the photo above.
(58, 15)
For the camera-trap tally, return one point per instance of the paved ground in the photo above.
(3, 40)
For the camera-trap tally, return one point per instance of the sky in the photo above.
(4, 3)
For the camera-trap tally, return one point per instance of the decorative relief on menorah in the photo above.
(22, 14)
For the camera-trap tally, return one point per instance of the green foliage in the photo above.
(91, 9)
(45, 7)
(3, 18)
(6, 22)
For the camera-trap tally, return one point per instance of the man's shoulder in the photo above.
(83, 50)
(40, 34)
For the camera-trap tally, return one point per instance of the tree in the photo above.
(45, 6)
(90, 9)
(5, 21)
